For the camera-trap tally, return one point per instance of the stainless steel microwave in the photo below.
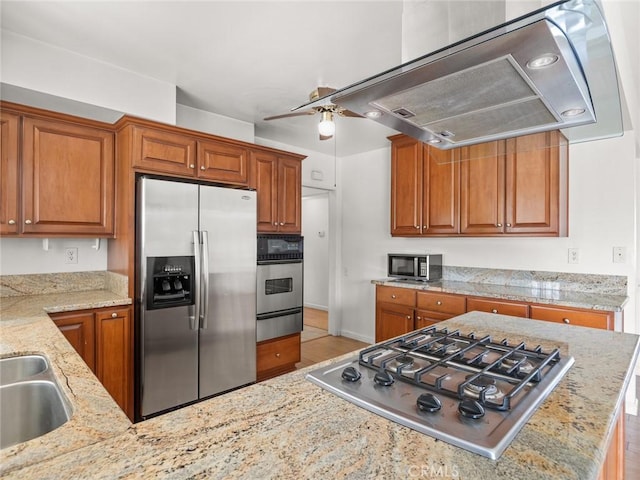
(425, 267)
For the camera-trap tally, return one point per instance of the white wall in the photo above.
(213, 123)
(20, 256)
(44, 68)
(315, 228)
(601, 215)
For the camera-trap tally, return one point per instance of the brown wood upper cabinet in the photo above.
(424, 189)
(163, 151)
(515, 186)
(279, 186)
(9, 186)
(67, 179)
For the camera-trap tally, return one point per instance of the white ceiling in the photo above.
(245, 60)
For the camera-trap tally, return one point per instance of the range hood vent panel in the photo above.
(484, 88)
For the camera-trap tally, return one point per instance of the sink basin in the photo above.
(14, 369)
(31, 401)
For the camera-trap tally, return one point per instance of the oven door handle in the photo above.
(195, 319)
(279, 313)
(276, 262)
(204, 312)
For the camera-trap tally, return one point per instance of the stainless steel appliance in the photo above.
(550, 69)
(279, 285)
(466, 390)
(196, 295)
(427, 267)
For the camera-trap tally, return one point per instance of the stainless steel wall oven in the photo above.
(279, 286)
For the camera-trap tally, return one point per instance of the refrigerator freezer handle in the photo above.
(204, 311)
(195, 319)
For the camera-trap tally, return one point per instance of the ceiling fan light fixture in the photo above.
(373, 114)
(327, 127)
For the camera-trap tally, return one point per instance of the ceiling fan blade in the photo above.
(320, 92)
(292, 114)
(325, 137)
(349, 113)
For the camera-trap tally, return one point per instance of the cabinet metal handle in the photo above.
(498, 224)
(438, 302)
(277, 355)
(566, 320)
(203, 167)
(27, 221)
(495, 310)
(192, 165)
(12, 222)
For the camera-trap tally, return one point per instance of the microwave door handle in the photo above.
(194, 319)
(204, 295)
(416, 264)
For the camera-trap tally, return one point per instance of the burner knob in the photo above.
(471, 409)
(428, 402)
(383, 378)
(350, 374)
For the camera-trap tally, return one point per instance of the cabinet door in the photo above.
(163, 152)
(425, 318)
(9, 188)
(569, 316)
(266, 166)
(441, 186)
(533, 183)
(482, 177)
(67, 179)
(114, 361)
(277, 356)
(289, 195)
(392, 320)
(406, 187)
(223, 163)
(78, 329)
(490, 305)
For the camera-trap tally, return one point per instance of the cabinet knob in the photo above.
(12, 222)
(417, 226)
(203, 167)
(192, 165)
(393, 296)
(418, 318)
(114, 315)
(424, 227)
(566, 320)
(281, 223)
(498, 224)
(27, 221)
(495, 310)
(508, 224)
(277, 355)
(275, 224)
(438, 302)
(408, 317)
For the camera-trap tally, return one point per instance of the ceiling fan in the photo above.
(326, 127)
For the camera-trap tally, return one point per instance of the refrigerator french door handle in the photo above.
(194, 319)
(204, 311)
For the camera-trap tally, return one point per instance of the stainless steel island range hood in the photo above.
(550, 69)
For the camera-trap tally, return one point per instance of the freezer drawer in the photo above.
(280, 324)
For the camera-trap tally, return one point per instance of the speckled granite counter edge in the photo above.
(586, 300)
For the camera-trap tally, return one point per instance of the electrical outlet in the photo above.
(619, 255)
(71, 255)
(574, 255)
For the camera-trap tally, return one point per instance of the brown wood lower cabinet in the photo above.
(491, 305)
(613, 467)
(574, 316)
(277, 356)
(104, 339)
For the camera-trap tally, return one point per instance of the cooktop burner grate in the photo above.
(495, 374)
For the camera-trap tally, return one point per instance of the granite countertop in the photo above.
(566, 298)
(287, 427)
(26, 328)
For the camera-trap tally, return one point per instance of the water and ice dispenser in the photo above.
(170, 281)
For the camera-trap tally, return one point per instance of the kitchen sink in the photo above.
(31, 401)
(14, 369)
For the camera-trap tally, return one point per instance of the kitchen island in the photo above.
(289, 428)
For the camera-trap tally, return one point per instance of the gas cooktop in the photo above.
(467, 390)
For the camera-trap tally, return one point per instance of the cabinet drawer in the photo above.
(498, 306)
(583, 318)
(396, 295)
(277, 353)
(442, 302)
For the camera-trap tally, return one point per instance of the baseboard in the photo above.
(316, 307)
(356, 336)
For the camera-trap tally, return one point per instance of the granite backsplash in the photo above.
(62, 282)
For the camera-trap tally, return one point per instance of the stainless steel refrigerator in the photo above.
(196, 292)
